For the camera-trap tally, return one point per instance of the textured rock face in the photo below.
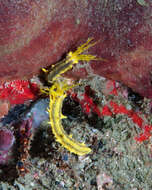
(35, 34)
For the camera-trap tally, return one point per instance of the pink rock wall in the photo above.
(35, 34)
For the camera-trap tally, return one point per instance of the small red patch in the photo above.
(106, 111)
(137, 120)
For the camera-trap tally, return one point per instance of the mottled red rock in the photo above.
(35, 34)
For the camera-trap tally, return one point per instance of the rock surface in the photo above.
(35, 34)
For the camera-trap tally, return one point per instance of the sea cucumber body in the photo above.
(56, 116)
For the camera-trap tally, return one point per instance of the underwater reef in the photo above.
(36, 34)
(74, 81)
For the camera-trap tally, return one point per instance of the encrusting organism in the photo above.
(7, 140)
(25, 136)
(57, 93)
(18, 91)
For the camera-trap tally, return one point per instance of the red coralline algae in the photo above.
(18, 91)
(146, 134)
(36, 34)
(88, 105)
(111, 87)
(120, 109)
(137, 119)
(106, 111)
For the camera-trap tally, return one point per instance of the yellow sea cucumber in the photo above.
(57, 93)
